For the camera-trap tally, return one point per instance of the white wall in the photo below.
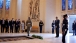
(50, 14)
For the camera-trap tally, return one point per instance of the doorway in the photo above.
(71, 19)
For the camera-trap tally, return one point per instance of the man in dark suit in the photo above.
(7, 25)
(11, 25)
(16, 26)
(0, 21)
(2, 25)
(40, 25)
(74, 28)
(57, 21)
(64, 28)
(19, 24)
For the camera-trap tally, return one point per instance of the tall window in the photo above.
(63, 5)
(1, 4)
(70, 4)
(7, 4)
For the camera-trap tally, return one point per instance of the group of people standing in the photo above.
(55, 25)
(13, 25)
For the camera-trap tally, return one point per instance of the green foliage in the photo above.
(35, 36)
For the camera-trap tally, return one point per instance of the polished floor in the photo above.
(48, 38)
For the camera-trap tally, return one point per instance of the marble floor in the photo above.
(48, 38)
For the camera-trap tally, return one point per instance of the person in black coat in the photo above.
(16, 26)
(0, 22)
(57, 21)
(40, 25)
(74, 27)
(53, 26)
(2, 25)
(7, 25)
(64, 28)
(11, 25)
(19, 24)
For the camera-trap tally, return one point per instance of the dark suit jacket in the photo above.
(11, 23)
(74, 26)
(2, 25)
(16, 24)
(41, 24)
(53, 24)
(0, 22)
(6, 23)
(57, 23)
(19, 23)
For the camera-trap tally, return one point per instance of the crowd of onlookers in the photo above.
(11, 25)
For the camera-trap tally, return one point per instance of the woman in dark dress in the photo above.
(64, 28)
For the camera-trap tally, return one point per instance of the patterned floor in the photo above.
(13, 39)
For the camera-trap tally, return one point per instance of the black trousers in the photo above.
(40, 29)
(7, 29)
(16, 29)
(11, 29)
(63, 36)
(57, 32)
(52, 30)
(2, 28)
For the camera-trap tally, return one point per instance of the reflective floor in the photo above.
(48, 38)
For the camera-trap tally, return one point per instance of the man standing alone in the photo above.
(57, 21)
(41, 25)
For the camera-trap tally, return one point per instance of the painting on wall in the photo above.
(70, 4)
(63, 5)
(1, 7)
(34, 10)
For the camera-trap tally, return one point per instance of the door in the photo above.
(71, 19)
